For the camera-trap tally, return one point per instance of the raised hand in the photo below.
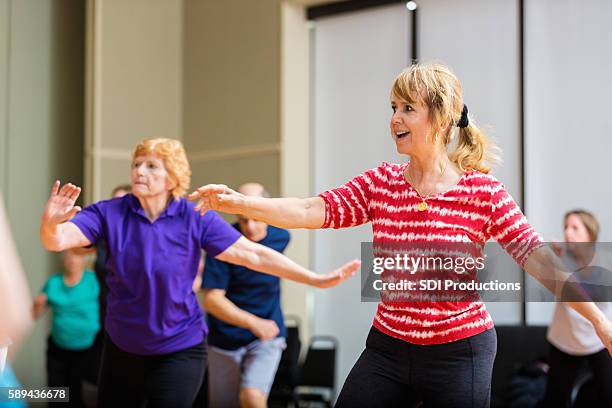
(60, 206)
(262, 328)
(337, 276)
(218, 197)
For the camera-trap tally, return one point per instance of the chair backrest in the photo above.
(319, 367)
(516, 345)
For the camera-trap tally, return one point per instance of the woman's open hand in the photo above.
(335, 277)
(60, 206)
(217, 197)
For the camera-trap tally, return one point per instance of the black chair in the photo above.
(282, 392)
(317, 374)
(516, 345)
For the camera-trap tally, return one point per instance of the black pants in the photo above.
(393, 373)
(66, 368)
(562, 377)
(92, 369)
(165, 381)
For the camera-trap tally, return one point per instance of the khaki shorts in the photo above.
(251, 366)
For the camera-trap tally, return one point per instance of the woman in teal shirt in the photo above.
(73, 299)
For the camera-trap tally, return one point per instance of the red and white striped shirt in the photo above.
(476, 209)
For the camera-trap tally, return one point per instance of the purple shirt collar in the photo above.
(170, 211)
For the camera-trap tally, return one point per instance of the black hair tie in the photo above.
(464, 121)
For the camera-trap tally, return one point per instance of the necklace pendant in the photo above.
(422, 206)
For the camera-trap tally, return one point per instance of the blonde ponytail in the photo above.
(474, 150)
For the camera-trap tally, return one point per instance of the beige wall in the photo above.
(135, 84)
(5, 38)
(231, 91)
(246, 105)
(41, 137)
(295, 143)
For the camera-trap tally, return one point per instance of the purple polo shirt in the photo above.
(152, 308)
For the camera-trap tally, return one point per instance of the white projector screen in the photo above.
(567, 140)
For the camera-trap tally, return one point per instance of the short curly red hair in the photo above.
(172, 153)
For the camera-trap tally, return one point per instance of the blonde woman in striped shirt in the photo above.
(439, 352)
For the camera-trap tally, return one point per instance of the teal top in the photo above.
(8, 379)
(75, 320)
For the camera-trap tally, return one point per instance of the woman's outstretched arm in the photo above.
(548, 269)
(263, 259)
(280, 212)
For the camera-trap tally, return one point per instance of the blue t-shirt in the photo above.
(151, 307)
(255, 292)
(75, 317)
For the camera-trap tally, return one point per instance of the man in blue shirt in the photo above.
(247, 330)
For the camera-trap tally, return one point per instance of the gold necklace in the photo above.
(422, 206)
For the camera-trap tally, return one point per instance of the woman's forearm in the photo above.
(263, 259)
(51, 236)
(269, 261)
(59, 237)
(281, 212)
(286, 212)
(224, 309)
(549, 270)
(274, 263)
(589, 311)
